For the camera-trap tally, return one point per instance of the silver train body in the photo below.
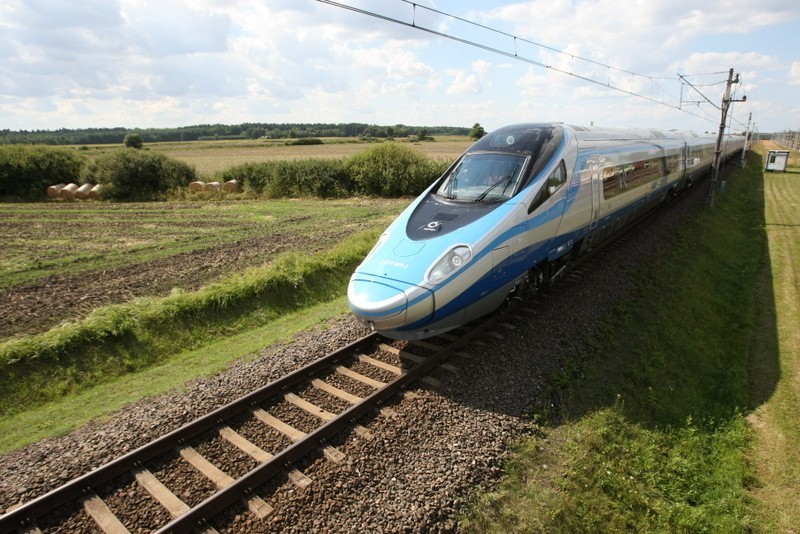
(511, 213)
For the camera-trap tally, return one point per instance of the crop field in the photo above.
(60, 260)
(94, 292)
(210, 157)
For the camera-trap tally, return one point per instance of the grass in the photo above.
(776, 421)
(606, 474)
(65, 414)
(655, 434)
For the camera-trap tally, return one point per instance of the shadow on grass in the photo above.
(700, 342)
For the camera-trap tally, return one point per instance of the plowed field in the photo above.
(59, 261)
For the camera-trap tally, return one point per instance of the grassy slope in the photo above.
(67, 413)
(655, 437)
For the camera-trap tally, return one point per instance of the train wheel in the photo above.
(540, 278)
(537, 281)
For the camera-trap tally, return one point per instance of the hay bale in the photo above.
(83, 191)
(231, 186)
(54, 190)
(94, 193)
(212, 186)
(68, 191)
(196, 186)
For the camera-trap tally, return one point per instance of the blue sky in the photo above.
(165, 63)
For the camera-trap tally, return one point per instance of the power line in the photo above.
(683, 77)
(523, 40)
(718, 73)
(695, 87)
(515, 54)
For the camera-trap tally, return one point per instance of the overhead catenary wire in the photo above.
(687, 82)
(732, 97)
(515, 54)
(522, 39)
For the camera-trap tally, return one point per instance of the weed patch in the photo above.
(607, 474)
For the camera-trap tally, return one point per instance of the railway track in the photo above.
(232, 453)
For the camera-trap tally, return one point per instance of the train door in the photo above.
(593, 174)
(595, 167)
(683, 166)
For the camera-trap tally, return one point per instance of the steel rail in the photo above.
(204, 512)
(27, 513)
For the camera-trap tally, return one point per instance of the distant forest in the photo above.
(204, 132)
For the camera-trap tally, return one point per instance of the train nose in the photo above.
(386, 303)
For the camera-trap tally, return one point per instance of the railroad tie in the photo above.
(331, 453)
(222, 480)
(261, 456)
(99, 511)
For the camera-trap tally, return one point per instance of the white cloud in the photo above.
(404, 64)
(463, 83)
(708, 62)
(794, 73)
(636, 35)
(164, 28)
(472, 81)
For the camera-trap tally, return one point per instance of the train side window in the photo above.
(615, 181)
(671, 164)
(622, 178)
(556, 179)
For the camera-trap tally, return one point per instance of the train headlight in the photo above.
(449, 263)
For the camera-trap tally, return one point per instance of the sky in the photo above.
(171, 63)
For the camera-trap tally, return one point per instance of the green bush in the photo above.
(281, 182)
(392, 170)
(304, 141)
(323, 178)
(133, 140)
(130, 174)
(385, 170)
(26, 171)
(254, 177)
(311, 177)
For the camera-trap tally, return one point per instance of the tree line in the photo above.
(203, 132)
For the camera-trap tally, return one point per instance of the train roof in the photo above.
(497, 139)
(595, 133)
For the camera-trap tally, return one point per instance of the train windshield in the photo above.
(488, 177)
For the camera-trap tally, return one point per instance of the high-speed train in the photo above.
(511, 213)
